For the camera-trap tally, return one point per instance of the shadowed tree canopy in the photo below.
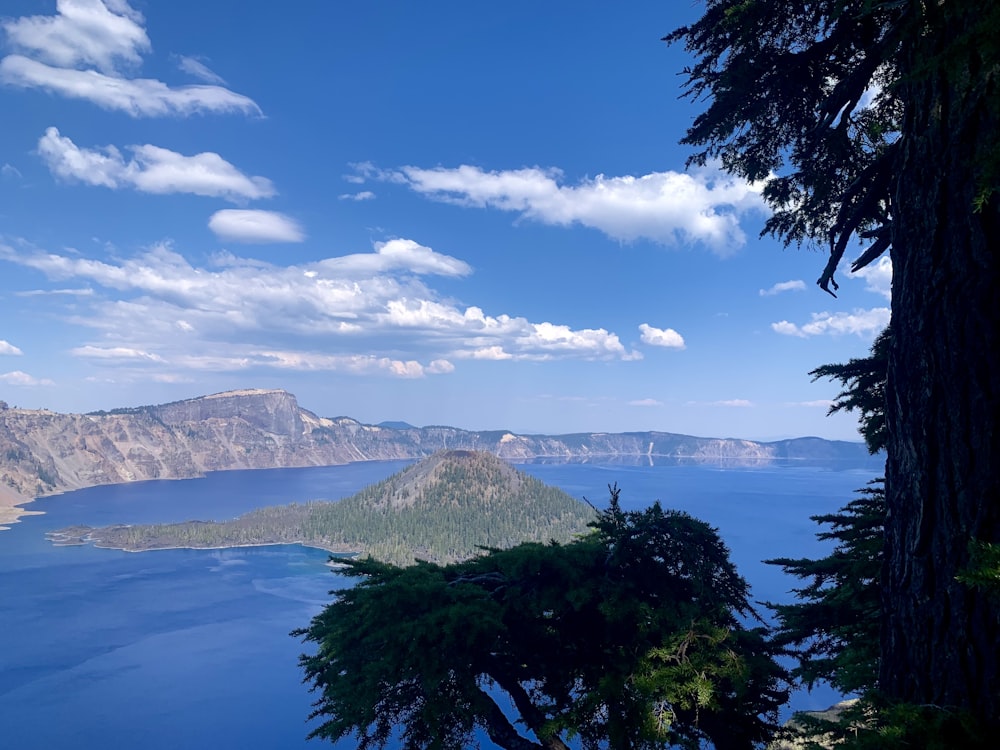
(635, 636)
(833, 627)
(878, 121)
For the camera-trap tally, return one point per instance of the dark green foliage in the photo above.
(783, 81)
(984, 567)
(833, 627)
(914, 173)
(632, 637)
(864, 381)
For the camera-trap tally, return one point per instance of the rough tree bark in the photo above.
(941, 638)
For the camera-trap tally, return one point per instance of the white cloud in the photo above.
(739, 403)
(22, 378)
(440, 367)
(667, 337)
(358, 364)
(138, 97)
(87, 292)
(495, 353)
(10, 172)
(396, 254)
(666, 207)
(865, 323)
(366, 312)
(784, 286)
(521, 339)
(199, 70)
(151, 170)
(786, 329)
(825, 403)
(81, 52)
(84, 32)
(242, 225)
(8, 348)
(645, 402)
(114, 352)
(878, 276)
(364, 195)
(169, 377)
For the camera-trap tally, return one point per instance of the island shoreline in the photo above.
(11, 502)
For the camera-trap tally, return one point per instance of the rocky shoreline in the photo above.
(11, 509)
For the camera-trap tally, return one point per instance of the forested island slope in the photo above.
(442, 509)
(43, 452)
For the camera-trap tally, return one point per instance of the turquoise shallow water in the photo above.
(190, 649)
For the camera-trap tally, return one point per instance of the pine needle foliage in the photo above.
(637, 636)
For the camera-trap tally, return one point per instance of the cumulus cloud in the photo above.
(7, 348)
(878, 276)
(254, 226)
(84, 32)
(667, 337)
(784, 286)
(364, 195)
(360, 313)
(22, 378)
(702, 206)
(85, 51)
(440, 367)
(864, 323)
(151, 170)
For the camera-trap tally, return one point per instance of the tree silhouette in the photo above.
(637, 635)
(880, 121)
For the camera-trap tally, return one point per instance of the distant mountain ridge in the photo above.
(43, 452)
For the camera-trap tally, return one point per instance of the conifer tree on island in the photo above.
(879, 121)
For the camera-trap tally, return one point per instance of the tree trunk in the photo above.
(940, 637)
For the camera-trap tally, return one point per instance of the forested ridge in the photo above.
(442, 509)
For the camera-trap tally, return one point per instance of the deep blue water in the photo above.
(190, 649)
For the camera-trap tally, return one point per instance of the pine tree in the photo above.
(636, 636)
(880, 120)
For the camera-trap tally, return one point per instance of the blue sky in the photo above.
(473, 214)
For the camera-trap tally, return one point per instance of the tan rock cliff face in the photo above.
(42, 452)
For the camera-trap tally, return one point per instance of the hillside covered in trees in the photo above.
(441, 509)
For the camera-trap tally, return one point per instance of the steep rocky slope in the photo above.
(42, 452)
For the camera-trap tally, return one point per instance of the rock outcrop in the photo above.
(42, 452)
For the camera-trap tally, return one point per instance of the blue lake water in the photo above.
(190, 648)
